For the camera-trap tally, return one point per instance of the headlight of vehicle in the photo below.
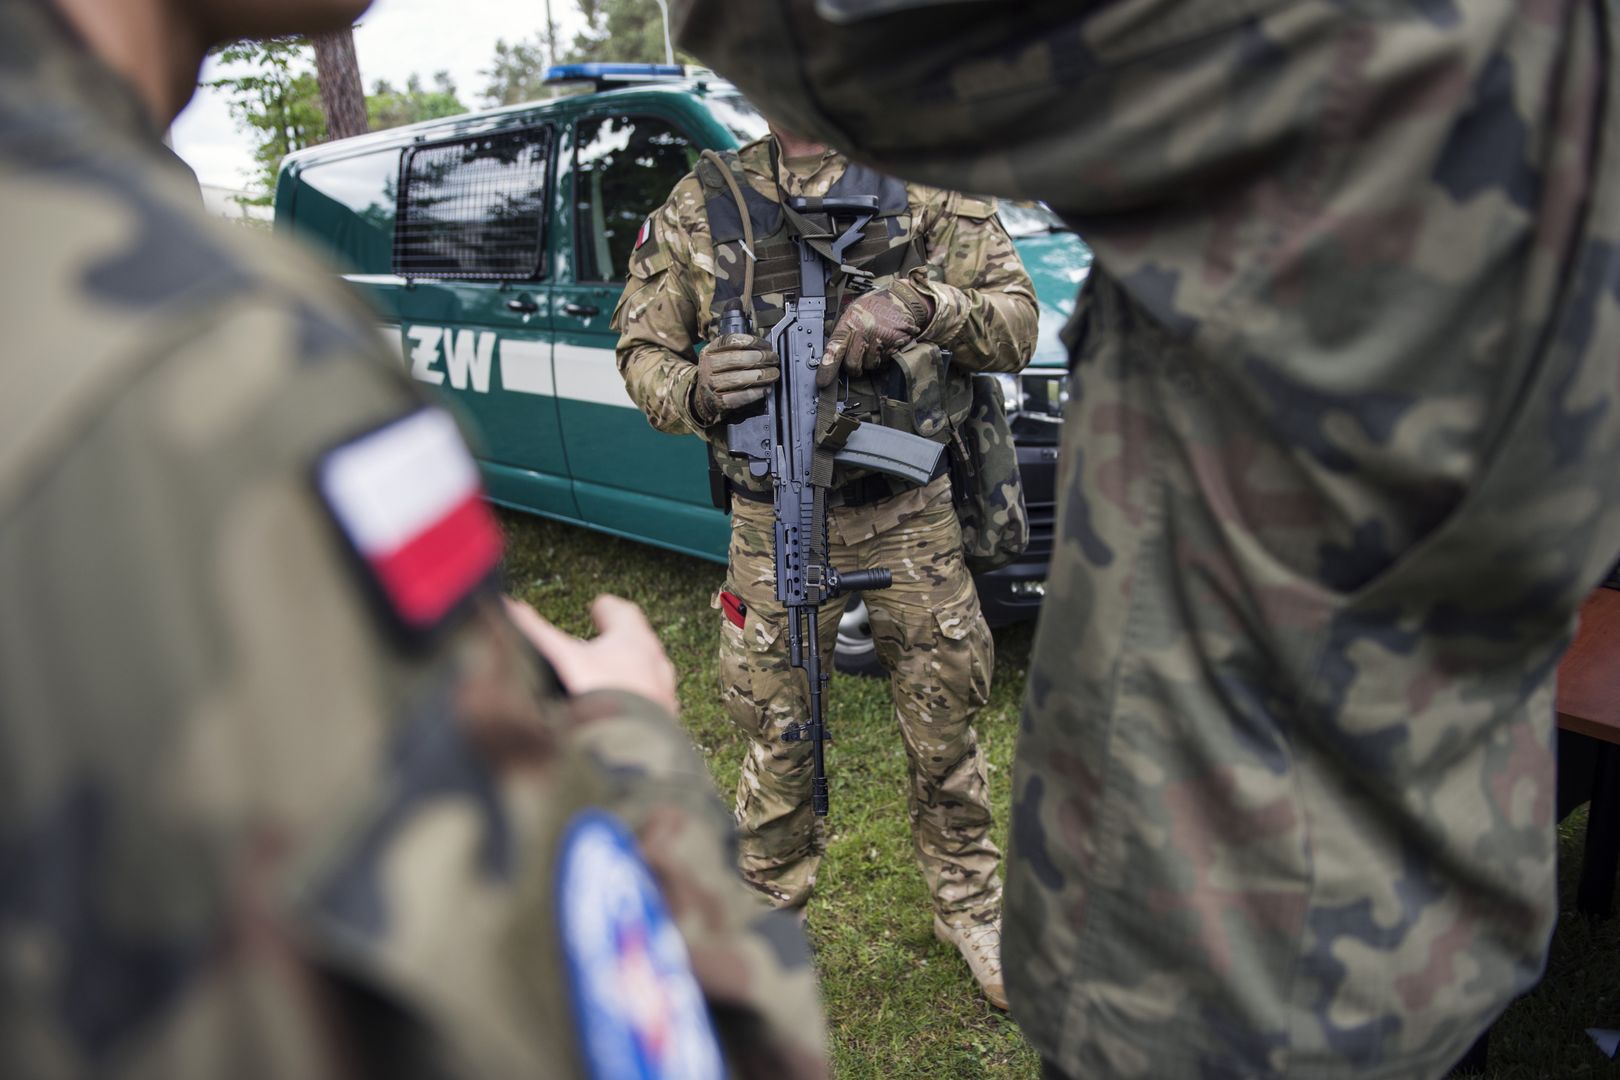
(1035, 393)
(1035, 400)
(1045, 393)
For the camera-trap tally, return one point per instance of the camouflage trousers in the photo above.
(936, 646)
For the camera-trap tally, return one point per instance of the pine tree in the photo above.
(516, 73)
(338, 73)
(629, 31)
(388, 107)
(624, 31)
(271, 91)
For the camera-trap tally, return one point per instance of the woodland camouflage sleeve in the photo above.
(984, 302)
(1090, 106)
(660, 315)
(372, 826)
(285, 792)
(232, 742)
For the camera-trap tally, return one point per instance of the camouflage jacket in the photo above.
(247, 828)
(984, 302)
(1341, 459)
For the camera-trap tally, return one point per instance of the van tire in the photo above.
(856, 652)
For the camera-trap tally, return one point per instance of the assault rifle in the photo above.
(798, 436)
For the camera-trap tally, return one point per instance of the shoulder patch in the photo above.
(640, 1011)
(976, 207)
(649, 257)
(407, 498)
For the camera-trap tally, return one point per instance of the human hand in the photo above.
(734, 371)
(624, 655)
(872, 327)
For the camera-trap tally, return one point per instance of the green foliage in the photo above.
(900, 1004)
(272, 94)
(516, 72)
(627, 31)
(621, 31)
(387, 107)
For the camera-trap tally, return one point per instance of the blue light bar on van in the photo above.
(605, 74)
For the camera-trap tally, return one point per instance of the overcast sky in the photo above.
(393, 40)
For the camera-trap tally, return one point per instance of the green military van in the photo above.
(494, 246)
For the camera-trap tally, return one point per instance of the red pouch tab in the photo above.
(734, 608)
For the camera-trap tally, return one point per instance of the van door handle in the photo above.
(583, 311)
(523, 306)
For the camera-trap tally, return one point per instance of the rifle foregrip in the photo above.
(864, 580)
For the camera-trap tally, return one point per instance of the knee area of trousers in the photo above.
(944, 659)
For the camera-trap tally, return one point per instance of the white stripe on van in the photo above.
(526, 367)
(587, 374)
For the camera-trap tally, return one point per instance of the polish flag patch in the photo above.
(408, 498)
(646, 231)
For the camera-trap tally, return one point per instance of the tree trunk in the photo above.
(338, 73)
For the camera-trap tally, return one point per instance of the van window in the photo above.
(739, 116)
(624, 168)
(348, 206)
(474, 208)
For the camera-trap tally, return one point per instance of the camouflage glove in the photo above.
(874, 326)
(733, 373)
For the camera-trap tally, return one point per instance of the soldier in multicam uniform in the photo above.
(1339, 466)
(935, 268)
(281, 797)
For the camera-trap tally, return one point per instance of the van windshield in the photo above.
(739, 116)
(1022, 219)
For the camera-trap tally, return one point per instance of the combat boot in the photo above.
(980, 946)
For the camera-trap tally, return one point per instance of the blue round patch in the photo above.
(641, 1015)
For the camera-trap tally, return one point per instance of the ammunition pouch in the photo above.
(985, 483)
(933, 398)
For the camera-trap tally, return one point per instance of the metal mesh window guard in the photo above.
(474, 208)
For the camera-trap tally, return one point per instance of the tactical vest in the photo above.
(889, 247)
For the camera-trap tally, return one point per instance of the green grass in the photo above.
(899, 1003)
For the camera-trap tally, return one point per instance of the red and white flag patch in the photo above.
(408, 498)
(646, 231)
